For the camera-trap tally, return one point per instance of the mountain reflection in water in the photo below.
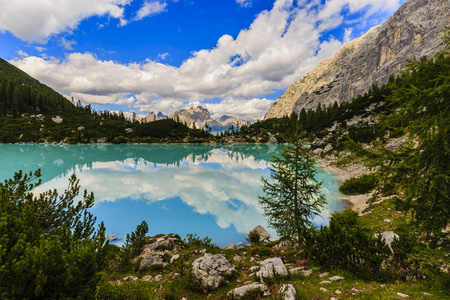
(205, 189)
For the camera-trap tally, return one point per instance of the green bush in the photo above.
(253, 237)
(359, 185)
(347, 245)
(193, 240)
(49, 247)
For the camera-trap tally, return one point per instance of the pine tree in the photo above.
(292, 196)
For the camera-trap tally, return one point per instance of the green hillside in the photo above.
(32, 112)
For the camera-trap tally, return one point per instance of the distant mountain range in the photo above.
(199, 117)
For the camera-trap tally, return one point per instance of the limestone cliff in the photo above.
(414, 31)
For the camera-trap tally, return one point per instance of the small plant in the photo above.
(253, 237)
(359, 185)
(193, 240)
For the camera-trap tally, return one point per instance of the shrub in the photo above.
(193, 240)
(253, 237)
(49, 246)
(359, 185)
(345, 244)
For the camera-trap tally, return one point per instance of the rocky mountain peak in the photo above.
(415, 30)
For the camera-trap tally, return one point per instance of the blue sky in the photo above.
(233, 57)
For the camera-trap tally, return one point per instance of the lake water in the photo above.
(204, 189)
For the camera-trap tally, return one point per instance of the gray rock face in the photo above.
(241, 292)
(288, 291)
(263, 234)
(272, 267)
(414, 30)
(152, 260)
(211, 271)
(164, 243)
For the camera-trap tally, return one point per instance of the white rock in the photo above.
(404, 296)
(325, 282)
(240, 292)
(271, 267)
(288, 291)
(323, 290)
(263, 234)
(210, 272)
(324, 274)
(147, 278)
(231, 246)
(159, 277)
(337, 292)
(174, 258)
(57, 120)
(336, 278)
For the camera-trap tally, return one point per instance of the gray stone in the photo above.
(129, 278)
(301, 270)
(174, 258)
(128, 130)
(263, 234)
(337, 292)
(336, 278)
(158, 278)
(254, 269)
(272, 267)
(388, 237)
(231, 246)
(288, 291)
(81, 128)
(324, 274)
(210, 272)
(147, 278)
(414, 30)
(152, 260)
(325, 282)
(323, 290)
(57, 120)
(403, 296)
(102, 140)
(241, 292)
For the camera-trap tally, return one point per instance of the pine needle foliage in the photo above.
(49, 248)
(292, 196)
(422, 167)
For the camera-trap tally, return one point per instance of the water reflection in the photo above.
(210, 190)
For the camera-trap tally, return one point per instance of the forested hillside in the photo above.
(32, 112)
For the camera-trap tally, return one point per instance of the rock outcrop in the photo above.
(210, 271)
(271, 268)
(415, 30)
(264, 236)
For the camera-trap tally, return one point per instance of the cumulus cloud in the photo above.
(278, 48)
(150, 8)
(37, 20)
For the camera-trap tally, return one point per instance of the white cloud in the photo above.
(244, 3)
(278, 48)
(37, 20)
(67, 44)
(22, 53)
(150, 8)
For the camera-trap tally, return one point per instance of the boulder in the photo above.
(57, 120)
(152, 260)
(263, 234)
(170, 242)
(242, 292)
(388, 237)
(270, 268)
(288, 291)
(147, 278)
(211, 271)
(81, 128)
(302, 271)
(231, 246)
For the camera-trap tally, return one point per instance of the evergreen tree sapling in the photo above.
(292, 196)
(48, 245)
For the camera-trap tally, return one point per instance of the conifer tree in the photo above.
(292, 196)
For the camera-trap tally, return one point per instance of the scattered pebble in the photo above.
(325, 282)
(337, 292)
(323, 290)
(324, 274)
(404, 296)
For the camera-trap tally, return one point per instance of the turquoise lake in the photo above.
(211, 190)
